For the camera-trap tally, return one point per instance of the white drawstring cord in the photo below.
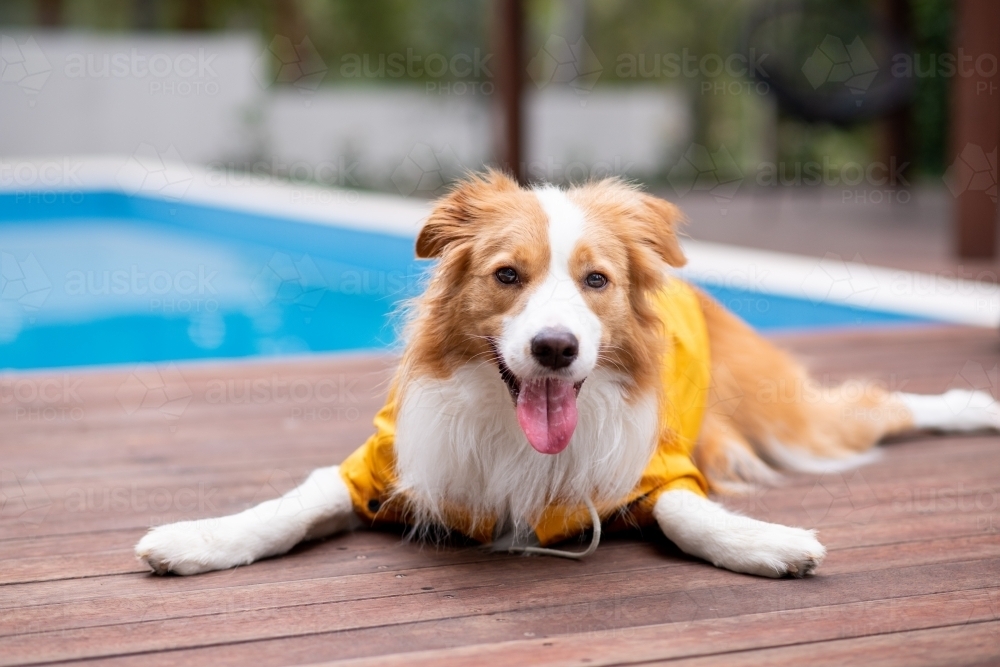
(575, 555)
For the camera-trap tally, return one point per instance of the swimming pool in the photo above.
(104, 277)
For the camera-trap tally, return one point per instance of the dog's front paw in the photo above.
(189, 547)
(706, 529)
(773, 550)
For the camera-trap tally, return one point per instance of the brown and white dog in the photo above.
(552, 288)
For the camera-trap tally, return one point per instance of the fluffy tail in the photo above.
(765, 413)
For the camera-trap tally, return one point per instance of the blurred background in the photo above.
(859, 131)
(765, 94)
(614, 86)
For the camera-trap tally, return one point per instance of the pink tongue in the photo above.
(546, 410)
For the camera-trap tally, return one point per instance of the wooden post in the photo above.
(288, 20)
(976, 125)
(193, 15)
(510, 69)
(49, 13)
(895, 130)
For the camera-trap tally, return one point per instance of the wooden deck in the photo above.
(90, 459)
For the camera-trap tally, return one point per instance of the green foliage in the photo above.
(346, 32)
(932, 30)
(618, 32)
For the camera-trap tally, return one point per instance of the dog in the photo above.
(558, 377)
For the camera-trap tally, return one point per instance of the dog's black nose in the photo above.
(554, 348)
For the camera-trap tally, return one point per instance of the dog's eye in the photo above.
(506, 275)
(596, 280)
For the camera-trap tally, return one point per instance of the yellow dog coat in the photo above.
(370, 471)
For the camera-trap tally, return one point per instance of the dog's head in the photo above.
(549, 285)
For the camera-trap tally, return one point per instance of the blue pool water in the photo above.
(106, 278)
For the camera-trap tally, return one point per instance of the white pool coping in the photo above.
(832, 279)
(835, 280)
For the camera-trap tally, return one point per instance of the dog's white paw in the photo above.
(190, 547)
(973, 409)
(954, 410)
(772, 550)
(708, 530)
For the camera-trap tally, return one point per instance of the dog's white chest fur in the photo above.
(458, 443)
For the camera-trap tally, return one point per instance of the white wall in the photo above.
(211, 100)
(193, 99)
(636, 130)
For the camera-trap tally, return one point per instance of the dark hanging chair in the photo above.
(829, 61)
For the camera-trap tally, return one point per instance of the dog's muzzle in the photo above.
(546, 406)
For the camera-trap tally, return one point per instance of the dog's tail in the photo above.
(766, 414)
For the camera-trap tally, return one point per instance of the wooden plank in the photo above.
(107, 597)
(842, 526)
(661, 598)
(906, 461)
(337, 556)
(915, 534)
(880, 631)
(967, 513)
(967, 644)
(608, 646)
(908, 480)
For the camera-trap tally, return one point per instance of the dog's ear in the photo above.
(658, 224)
(454, 216)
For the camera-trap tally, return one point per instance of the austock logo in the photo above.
(289, 281)
(469, 72)
(23, 499)
(23, 64)
(559, 62)
(974, 170)
(983, 604)
(43, 399)
(834, 280)
(425, 171)
(283, 490)
(32, 175)
(841, 496)
(716, 174)
(977, 386)
(24, 287)
(835, 62)
(263, 390)
(687, 65)
(284, 62)
(151, 388)
(150, 171)
(176, 74)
